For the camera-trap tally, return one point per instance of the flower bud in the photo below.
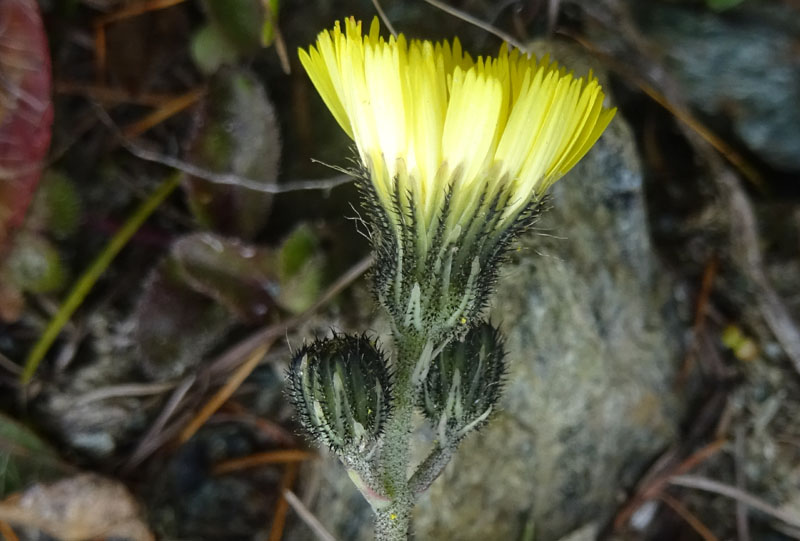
(464, 383)
(341, 389)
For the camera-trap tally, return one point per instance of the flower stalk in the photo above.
(392, 522)
(456, 155)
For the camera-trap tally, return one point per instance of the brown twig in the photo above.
(655, 485)
(235, 412)
(282, 507)
(682, 511)
(699, 456)
(225, 392)
(100, 23)
(466, 17)
(706, 286)
(669, 463)
(127, 12)
(110, 95)
(282, 456)
(7, 533)
(164, 112)
(382, 14)
(715, 487)
(153, 439)
(218, 178)
(10, 365)
(135, 9)
(307, 516)
(280, 43)
(128, 389)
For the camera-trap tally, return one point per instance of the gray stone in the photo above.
(742, 65)
(593, 345)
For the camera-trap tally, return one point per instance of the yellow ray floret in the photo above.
(427, 118)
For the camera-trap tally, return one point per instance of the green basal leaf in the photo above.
(35, 265)
(211, 50)
(239, 21)
(24, 457)
(300, 270)
(56, 207)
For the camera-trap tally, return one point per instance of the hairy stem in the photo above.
(393, 521)
(430, 469)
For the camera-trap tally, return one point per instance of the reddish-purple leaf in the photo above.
(26, 110)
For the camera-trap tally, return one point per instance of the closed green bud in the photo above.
(464, 383)
(341, 389)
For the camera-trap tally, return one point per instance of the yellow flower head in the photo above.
(427, 118)
(458, 152)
